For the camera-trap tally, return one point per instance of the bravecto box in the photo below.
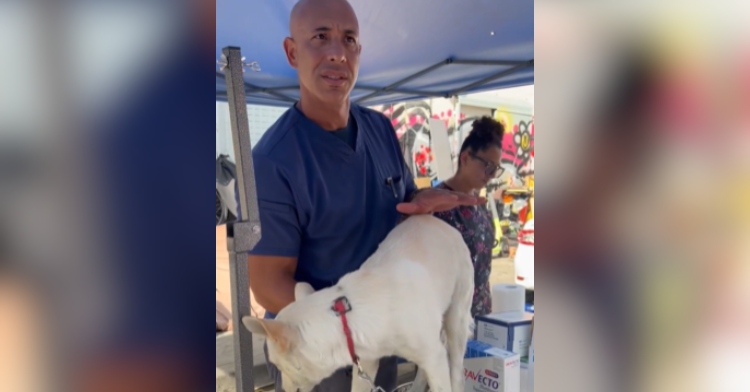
(510, 331)
(491, 369)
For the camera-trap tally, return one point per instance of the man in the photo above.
(330, 176)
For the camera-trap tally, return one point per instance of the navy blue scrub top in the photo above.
(321, 200)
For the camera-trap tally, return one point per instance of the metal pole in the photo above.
(406, 79)
(495, 76)
(244, 234)
(459, 134)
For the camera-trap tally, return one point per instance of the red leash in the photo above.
(341, 306)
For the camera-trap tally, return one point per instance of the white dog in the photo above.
(417, 284)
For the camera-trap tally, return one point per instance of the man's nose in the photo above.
(336, 52)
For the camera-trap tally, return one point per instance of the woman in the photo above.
(478, 163)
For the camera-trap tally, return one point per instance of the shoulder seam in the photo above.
(376, 115)
(284, 132)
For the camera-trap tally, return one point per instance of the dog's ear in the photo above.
(254, 325)
(302, 290)
(275, 330)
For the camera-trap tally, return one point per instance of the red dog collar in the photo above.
(341, 306)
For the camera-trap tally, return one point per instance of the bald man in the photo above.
(330, 176)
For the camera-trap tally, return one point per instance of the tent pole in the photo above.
(244, 234)
(457, 121)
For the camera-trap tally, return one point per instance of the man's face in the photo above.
(324, 48)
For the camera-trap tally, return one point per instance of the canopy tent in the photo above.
(411, 49)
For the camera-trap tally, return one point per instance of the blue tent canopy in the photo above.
(411, 49)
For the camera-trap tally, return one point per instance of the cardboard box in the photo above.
(510, 331)
(423, 182)
(530, 366)
(490, 369)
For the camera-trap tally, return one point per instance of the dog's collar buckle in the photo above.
(341, 306)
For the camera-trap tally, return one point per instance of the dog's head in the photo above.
(301, 359)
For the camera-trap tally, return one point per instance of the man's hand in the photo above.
(432, 200)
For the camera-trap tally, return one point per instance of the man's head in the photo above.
(324, 48)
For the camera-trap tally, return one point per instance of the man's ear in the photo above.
(302, 290)
(290, 48)
(281, 334)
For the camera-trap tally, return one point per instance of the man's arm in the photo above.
(271, 264)
(272, 281)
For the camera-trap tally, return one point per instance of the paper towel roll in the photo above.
(508, 298)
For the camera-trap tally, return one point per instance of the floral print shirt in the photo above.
(475, 224)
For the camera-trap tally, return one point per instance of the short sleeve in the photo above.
(280, 229)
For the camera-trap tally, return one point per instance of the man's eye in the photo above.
(320, 36)
(351, 40)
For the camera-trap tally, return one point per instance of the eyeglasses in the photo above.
(489, 168)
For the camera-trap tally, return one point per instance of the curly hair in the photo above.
(485, 132)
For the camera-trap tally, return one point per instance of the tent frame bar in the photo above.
(270, 91)
(357, 87)
(519, 67)
(515, 65)
(406, 79)
(244, 233)
(489, 62)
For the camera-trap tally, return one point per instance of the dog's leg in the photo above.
(457, 321)
(420, 382)
(371, 368)
(435, 365)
